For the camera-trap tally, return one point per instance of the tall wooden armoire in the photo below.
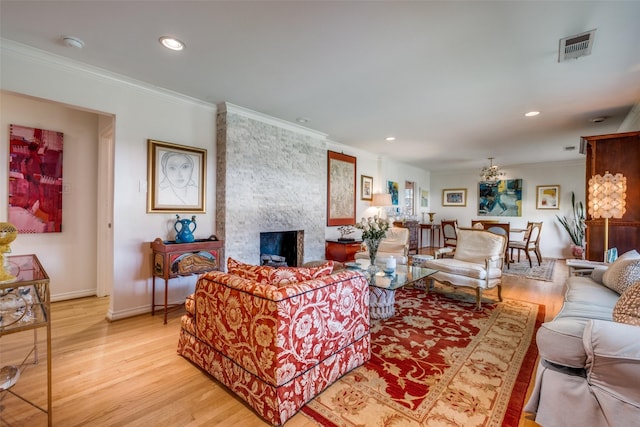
(614, 153)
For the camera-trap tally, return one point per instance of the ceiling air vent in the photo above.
(574, 47)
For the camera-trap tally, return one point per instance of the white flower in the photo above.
(373, 227)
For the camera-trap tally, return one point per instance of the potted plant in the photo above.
(575, 227)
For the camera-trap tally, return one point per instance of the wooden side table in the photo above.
(171, 259)
(341, 250)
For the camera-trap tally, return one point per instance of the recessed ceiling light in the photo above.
(171, 43)
(390, 138)
(73, 42)
(532, 113)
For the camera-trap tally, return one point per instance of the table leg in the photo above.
(153, 297)
(166, 296)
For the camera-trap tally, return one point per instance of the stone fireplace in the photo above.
(271, 176)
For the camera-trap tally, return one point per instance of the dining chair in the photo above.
(449, 236)
(530, 242)
(449, 232)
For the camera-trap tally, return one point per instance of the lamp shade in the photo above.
(607, 196)
(381, 199)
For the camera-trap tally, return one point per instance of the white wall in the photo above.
(59, 252)
(554, 242)
(140, 113)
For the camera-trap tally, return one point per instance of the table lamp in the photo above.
(381, 200)
(607, 196)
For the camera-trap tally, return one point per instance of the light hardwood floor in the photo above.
(127, 372)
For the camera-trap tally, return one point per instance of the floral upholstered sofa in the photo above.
(277, 337)
(589, 372)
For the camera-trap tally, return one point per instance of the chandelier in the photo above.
(491, 172)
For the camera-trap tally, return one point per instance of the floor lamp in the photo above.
(607, 200)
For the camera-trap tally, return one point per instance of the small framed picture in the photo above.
(366, 187)
(176, 177)
(454, 197)
(548, 197)
(424, 198)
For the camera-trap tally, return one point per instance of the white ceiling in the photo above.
(450, 80)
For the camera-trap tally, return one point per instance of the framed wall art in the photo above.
(35, 179)
(454, 197)
(341, 189)
(177, 178)
(500, 198)
(424, 198)
(366, 187)
(393, 188)
(548, 197)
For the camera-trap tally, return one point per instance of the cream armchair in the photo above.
(477, 262)
(395, 244)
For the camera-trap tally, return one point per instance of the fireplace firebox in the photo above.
(279, 248)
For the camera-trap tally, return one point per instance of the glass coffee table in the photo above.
(383, 286)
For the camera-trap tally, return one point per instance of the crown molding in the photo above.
(33, 55)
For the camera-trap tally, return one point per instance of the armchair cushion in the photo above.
(469, 269)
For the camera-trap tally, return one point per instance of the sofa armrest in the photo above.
(613, 359)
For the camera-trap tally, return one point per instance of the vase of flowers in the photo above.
(373, 231)
(575, 227)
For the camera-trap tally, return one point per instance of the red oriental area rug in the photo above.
(439, 362)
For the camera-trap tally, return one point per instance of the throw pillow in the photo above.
(624, 272)
(627, 309)
(597, 274)
(258, 273)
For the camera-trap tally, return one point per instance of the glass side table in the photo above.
(25, 305)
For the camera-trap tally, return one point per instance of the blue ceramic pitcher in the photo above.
(184, 232)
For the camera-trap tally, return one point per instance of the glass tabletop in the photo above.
(403, 275)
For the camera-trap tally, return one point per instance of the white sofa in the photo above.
(589, 369)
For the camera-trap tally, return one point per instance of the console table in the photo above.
(432, 229)
(26, 305)
(171, 259)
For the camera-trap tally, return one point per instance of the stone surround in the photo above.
(270, 176)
